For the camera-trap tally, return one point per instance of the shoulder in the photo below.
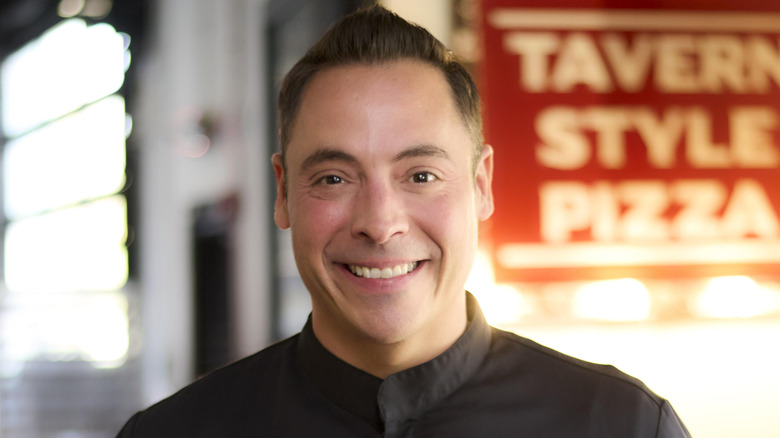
(549, 393)
(569, 387)
(547, 361)
(240, 376)
(219, 397)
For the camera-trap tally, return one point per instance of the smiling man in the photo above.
(383, 193)
(382, 179)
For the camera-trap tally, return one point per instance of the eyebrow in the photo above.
(324, 155)
(423, 150)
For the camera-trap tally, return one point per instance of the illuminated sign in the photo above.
(639, 142)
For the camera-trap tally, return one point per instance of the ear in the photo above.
(281, 214)
(484, 182)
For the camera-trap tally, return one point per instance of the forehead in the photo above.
(376, 106)
(358, 78)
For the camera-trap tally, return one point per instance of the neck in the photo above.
(382, 359)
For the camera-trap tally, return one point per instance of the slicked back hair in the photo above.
(372, 36)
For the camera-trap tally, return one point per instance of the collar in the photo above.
(404, 395)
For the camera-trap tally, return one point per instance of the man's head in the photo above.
(383, 193)
(374, 36)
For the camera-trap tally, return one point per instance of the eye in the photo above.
(331, 180)
(423, 177)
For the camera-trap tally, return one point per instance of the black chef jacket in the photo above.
(490, 383)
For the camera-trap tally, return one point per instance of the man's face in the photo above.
(382, 202)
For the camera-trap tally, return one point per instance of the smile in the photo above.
(395, 271)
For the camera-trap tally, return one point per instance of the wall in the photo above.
(203, 60)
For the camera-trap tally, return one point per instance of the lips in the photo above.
(386, 272)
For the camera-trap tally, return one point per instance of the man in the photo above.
(383, 179)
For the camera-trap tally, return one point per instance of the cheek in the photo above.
(316, 221)
(449, 221)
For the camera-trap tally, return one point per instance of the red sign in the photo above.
(633, 141)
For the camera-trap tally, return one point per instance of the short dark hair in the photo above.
(375, 35)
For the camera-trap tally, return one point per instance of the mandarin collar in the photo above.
(405, 395)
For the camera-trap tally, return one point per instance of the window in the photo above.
(64, 317)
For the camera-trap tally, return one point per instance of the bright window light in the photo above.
(91, 327)
(74, 249)
(70, 65)
(79, 157)
(735, 297)
(624, 299)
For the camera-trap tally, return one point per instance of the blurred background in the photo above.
(637, 190)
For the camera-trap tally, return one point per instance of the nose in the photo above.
(379, 213)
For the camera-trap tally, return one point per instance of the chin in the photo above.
(389, 329)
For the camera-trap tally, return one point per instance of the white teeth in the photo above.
(362, 271)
